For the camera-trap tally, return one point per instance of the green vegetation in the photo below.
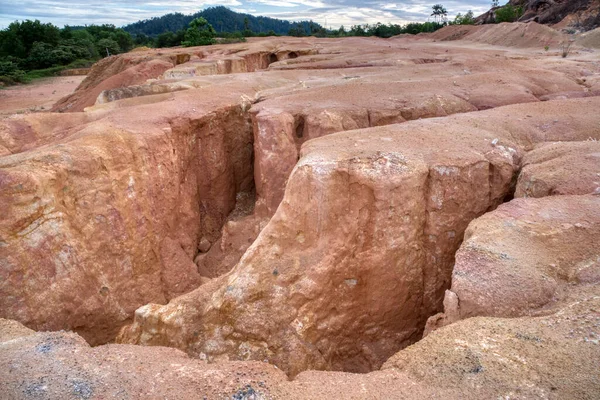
(31, 49)
(467, 19)
(386, 31)
(10, 73)
(221, 18)
(200, 33)
(508, 13)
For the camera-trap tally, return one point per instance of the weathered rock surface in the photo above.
(110, 217)
(551, 356)
(61, 365)
(107, 210)
(560, 169)
(525, 258)
(361, 249)
(181, 158)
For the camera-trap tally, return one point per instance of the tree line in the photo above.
(34, 46)
(30, 49)
(221, 18)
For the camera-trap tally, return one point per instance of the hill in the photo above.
(221, 18)
(582, 15)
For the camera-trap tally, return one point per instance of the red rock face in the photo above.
(527, 255)
(111, 218)
(360, 250)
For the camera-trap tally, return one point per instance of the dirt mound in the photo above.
(589, 39)
(139, 49)
(109, 73)
(517, 34)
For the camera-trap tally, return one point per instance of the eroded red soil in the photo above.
(39, 95)
(284, 206)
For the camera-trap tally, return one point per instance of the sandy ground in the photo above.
(39, 95)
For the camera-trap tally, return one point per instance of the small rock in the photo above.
(204, 245)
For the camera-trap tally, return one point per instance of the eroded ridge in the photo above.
(361, 249)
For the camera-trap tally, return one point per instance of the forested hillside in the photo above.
(31, 45)
(221, 18)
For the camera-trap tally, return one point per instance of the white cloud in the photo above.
(290, 3)
(334, 12)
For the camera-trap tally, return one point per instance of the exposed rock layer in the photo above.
(525, 258)
(361, 248)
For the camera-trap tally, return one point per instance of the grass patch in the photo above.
(55, 71)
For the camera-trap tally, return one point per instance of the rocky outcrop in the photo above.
(362, 246)
(561, 169)
(308, 214)
(578, 14)
(111, 217)
(554, 355)
(149, 193)
(525, 258)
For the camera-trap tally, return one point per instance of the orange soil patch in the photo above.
(37, 96)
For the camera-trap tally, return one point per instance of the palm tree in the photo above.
(439, 13)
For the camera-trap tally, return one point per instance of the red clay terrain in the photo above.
(37, 96)
(416, 217)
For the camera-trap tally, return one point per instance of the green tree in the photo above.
(508, 13)
(19, 38)
(467, 19)
(123, 39)
(200, 33)
(84, 39)
(107, 47)
(494, 3)
(439, 13)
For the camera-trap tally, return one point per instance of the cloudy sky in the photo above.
(333, 13)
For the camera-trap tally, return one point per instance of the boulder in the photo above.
(562, 168)
(526, 258)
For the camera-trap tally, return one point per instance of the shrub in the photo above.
(10, 73)
(566, 47)
(200, 33)
(508, 13)
(467, 19)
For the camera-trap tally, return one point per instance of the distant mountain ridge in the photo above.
(221, 18)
